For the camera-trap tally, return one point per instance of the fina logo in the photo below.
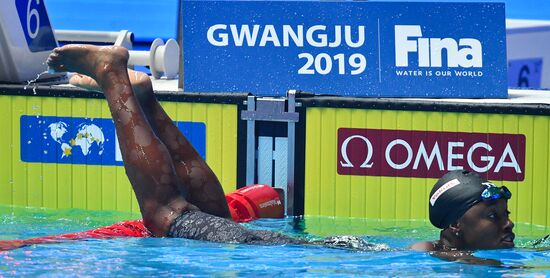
(466, 53)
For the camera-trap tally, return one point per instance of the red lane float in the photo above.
(255, 201)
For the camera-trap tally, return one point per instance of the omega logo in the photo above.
(429, 154)
(343, 150)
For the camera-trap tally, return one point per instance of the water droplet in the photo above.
(29, 142)
(45, 152)
(34, 80)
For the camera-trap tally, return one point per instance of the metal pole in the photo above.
(251, 143)
(124, 36)
(291, 154)
(180, 42)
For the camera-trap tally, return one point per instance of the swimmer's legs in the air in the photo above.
(204, 189)
(147, 160)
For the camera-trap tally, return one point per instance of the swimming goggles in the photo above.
(493, 192)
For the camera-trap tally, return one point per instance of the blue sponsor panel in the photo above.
(347, 48)
(525, 73)
(36, 25)
(69, 140)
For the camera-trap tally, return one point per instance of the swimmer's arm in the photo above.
(467, 257)
(423, 246)
(7, 245)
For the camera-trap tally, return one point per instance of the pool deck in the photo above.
(516, 97)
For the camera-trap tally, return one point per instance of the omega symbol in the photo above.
(344, 151)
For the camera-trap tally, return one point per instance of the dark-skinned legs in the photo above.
(204, 189)
(147, 159)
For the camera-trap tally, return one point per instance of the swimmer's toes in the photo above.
(56, 66)
(60, 67)
(53, 59)
(54, 55)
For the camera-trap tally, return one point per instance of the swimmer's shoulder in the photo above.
(424, 246)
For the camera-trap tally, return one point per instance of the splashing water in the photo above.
(68, 75)
(29, 82)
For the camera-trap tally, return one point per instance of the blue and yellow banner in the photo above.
(73, 140)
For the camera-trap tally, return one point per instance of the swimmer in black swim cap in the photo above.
(472, 213)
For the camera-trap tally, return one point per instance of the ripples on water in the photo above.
(169, 257)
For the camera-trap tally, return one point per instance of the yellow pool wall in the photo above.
(326, 193)
(329, 194)
(90, 186)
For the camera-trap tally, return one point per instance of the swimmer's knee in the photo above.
(143, 89)
(141, 80)
(158, 221)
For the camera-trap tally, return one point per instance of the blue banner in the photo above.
(36, 25)
(347, 48)
(68, 140)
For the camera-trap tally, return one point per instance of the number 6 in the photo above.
(31, 13)
(523, 80)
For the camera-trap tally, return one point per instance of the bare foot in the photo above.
(90, 60)
(141, 83)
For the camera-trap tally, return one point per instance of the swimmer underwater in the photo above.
(180, 196)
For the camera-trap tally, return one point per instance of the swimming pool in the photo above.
(181, 257)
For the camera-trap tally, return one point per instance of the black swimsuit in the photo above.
(202, 226)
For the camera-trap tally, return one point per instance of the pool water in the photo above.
(182, 257)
